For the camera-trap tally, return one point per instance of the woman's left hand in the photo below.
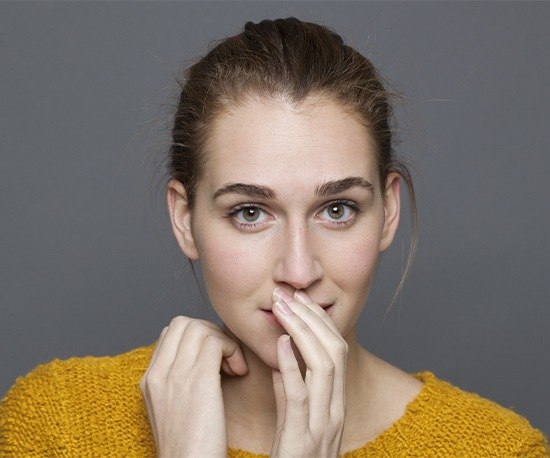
(310, 415)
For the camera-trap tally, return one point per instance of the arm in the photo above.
(31, 415)
(535, 446)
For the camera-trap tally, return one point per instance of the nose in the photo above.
(297, 264)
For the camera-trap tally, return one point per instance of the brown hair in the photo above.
(286, 58)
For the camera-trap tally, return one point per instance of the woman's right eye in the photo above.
(246, 216)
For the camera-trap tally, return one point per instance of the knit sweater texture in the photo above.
(92, 406)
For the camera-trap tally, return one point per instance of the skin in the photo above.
(293, 242)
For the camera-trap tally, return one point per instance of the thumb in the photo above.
(280, 399)
(236, 361)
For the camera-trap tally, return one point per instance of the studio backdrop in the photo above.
(89, 264)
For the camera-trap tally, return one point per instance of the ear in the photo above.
(391, 210)
(180, 216)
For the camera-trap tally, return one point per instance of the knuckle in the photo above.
(176, 379)
(179, 320)
(301, 399)
(198, 331)
(212, 340)
(329, 369)
(152, 380)
(302, 326)
(343, 349)
(338, 420)
(196, 326)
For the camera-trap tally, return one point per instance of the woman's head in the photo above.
(288, 106)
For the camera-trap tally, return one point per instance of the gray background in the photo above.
(90, 266)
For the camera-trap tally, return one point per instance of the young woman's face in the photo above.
(290, 199)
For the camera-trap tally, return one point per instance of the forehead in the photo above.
(272, 142)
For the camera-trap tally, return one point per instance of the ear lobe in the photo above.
(180, 217)
(391, 210)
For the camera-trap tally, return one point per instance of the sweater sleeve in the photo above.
(536, 445)
(31, 415)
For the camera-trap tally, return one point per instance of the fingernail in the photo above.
(301, 296)
(278, 293)
(283, 307)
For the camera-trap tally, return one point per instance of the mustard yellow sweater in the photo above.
(92, 406)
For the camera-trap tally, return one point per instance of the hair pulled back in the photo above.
(290, 59)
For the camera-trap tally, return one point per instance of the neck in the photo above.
(249, 400)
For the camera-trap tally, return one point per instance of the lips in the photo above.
(325, 306)
(274, 320)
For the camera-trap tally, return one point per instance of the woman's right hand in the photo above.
(182, 388)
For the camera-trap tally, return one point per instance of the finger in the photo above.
(339, 354)
(296, 411)
(167, 349)
(335, 345)
(280, 400)
(302, 297)
(312, 314)
(194, 337)
(145, 388)
(236, 363)
(322, 370)
(213, 350)
(155, 352)
(226, 368)
(152, 360)
(233, 362)
(143, 383)
(312, 348)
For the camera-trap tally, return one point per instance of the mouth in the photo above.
(275, 321)
(324, 306)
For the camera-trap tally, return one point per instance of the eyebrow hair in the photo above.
(325, 189)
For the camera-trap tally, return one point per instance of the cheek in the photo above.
(350, 256)
(232, 272)
(353, 264)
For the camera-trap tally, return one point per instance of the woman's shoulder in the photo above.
(62, 399)
(59, 373)
(445, 415)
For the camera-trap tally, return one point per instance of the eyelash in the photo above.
(230, 215)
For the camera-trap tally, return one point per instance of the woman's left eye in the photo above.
(341, 212)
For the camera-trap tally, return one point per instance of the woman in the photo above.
(285, 187)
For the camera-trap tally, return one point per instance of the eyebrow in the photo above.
(327, 188)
